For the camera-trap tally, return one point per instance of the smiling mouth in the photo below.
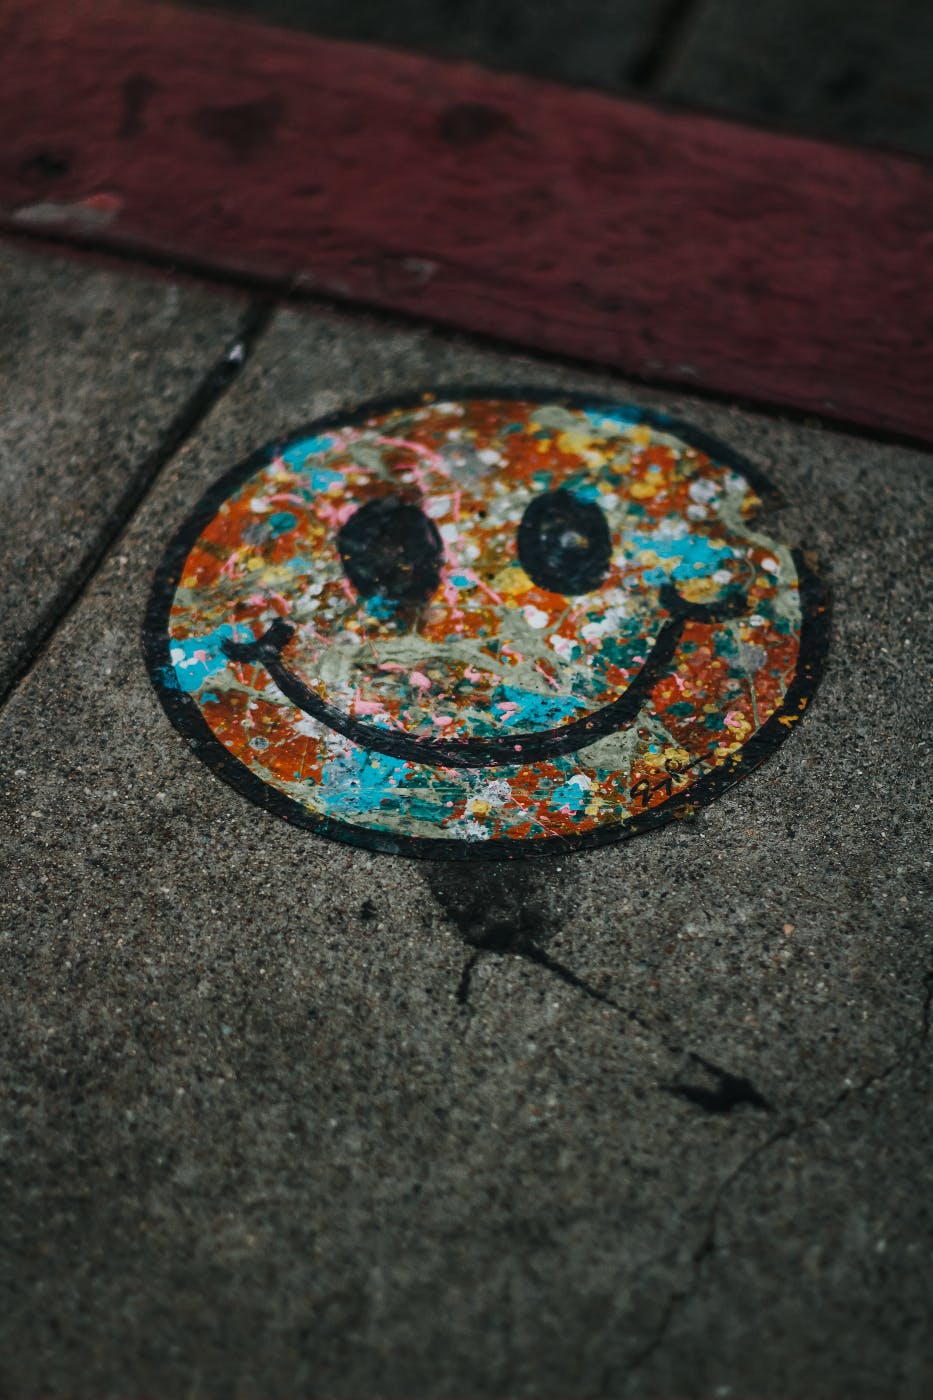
(515, 749)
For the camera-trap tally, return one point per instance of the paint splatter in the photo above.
(485, 625)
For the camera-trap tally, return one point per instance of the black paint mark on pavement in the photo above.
(508, 911)
(511, 910)
(499, 909)
(728, 1091)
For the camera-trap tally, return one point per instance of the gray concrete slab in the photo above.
(838, 1192)
(850, 70)
(598, 42)
(94, 365)
(262, 1137)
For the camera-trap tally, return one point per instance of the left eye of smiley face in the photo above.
(480, 623)
(391, 549)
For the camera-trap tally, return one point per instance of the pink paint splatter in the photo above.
(366, 707)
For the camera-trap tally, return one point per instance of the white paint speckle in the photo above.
(535, 617)
(702, 491)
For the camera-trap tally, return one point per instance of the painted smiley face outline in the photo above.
(517, 748)
(512, 750)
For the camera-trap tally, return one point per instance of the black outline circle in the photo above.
(186, 716)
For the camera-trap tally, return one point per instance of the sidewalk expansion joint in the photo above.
(212, 387)
(674, 25)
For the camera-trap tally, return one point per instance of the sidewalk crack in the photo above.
(708, 1243)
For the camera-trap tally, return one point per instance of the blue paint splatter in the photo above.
(196, 658)
(318, 478)
(381, 607)
(696, 556)
(625, 416)
(534, 711)
(299, 565)
(296, 454)
(358, 781)
(584, 490)
(572, 794)
(361, 782)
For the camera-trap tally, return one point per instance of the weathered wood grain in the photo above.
(672, 246)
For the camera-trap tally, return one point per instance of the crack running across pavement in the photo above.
(708, 1242)
(516, 929)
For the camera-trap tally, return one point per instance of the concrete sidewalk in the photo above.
(282, 1118)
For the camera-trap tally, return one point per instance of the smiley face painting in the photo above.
(485, 624)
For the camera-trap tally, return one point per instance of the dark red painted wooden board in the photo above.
(667, 244)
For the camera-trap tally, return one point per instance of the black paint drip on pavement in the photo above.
(511, 910)
(728, 1091)
(508, 910)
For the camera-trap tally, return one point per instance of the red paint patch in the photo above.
(669, 244)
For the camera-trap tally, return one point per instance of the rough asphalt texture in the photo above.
(280, 1118)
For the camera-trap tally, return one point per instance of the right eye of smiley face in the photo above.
(551, 600)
